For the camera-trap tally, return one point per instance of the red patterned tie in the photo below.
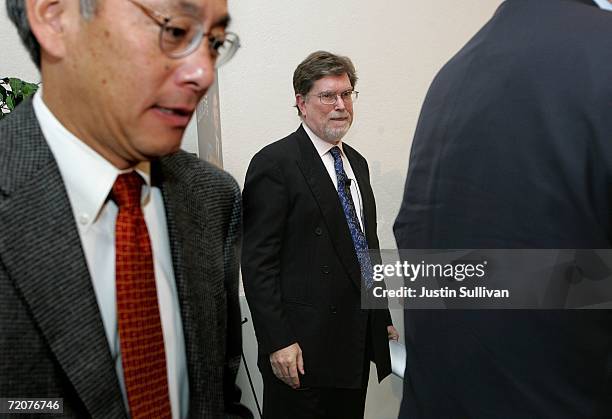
(140, 331)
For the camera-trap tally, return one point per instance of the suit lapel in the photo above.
(326, 196)
(42, 253)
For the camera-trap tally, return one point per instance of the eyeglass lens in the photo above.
(182, 35)
(329, 98)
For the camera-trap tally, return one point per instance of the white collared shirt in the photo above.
(323, 148)
(604, 4)
(88, 178)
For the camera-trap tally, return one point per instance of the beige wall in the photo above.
(15, 61)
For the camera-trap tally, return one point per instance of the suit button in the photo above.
(333, 309)
(318, 231)
(325, 269)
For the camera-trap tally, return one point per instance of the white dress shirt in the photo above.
(88, 178)
(604, 4)
(323, 148)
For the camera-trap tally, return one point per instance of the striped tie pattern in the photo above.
(140, 331)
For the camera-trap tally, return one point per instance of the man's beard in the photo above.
(336, 134)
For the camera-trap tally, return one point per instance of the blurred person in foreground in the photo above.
(513, 150)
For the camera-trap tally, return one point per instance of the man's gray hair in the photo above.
(320, 64)
(16, 10)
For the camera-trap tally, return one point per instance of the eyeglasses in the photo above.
(181, 35)
(330, 98)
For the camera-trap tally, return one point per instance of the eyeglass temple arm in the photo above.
(160, 19)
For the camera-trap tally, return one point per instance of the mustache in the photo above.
(339, 115)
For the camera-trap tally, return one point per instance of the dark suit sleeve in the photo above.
(388, 317)
(266, 203)
(231, 252)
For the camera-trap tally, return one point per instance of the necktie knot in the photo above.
(335, 152)
(127, 190)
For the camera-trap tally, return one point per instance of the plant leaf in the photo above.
(12, 92)
(29, 89)
(15, 85)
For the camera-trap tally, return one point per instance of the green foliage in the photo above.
(12, 92)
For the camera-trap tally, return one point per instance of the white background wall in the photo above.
(397, 47)
(14, 60)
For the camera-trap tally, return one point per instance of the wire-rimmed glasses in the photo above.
(181, 35)
(330, 98)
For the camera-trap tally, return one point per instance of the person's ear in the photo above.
(300, 102)
(47, 20)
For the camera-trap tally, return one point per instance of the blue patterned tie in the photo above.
(359, 239)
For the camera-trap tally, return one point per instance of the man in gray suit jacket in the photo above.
(120, 83)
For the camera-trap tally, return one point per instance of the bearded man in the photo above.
(309, 214)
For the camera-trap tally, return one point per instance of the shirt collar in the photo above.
(87, 175)
(322, 146)
(604, 4)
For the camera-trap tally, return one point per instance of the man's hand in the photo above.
(287, 362)
(392, 333)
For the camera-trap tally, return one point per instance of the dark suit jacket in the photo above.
(513, 149)
(300, 270)
(52, 341)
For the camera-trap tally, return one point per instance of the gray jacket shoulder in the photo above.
(23, 150)
(198, 175)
